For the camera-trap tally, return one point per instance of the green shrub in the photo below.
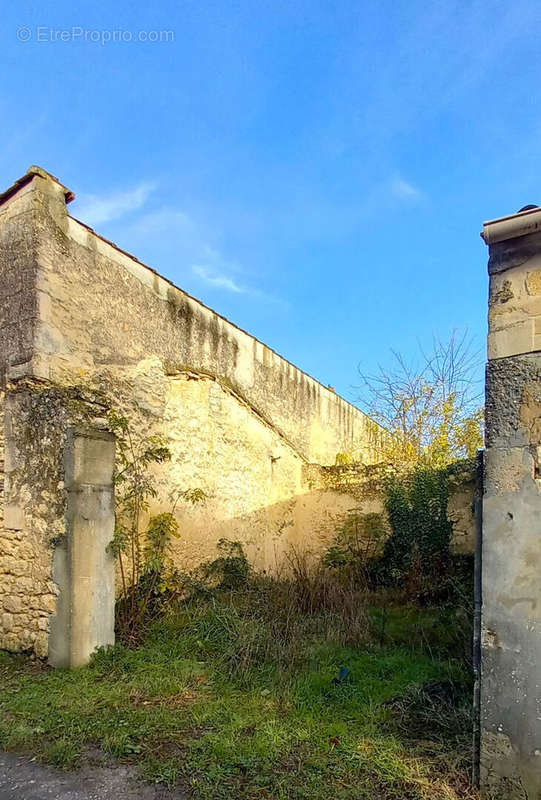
(229, 571)
(416, 505)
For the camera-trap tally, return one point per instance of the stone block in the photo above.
(14, 517)
(84, 569)
(512, 340)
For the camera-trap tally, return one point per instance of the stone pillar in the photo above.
(83, 568)
(510, 702)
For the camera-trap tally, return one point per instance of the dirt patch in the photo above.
(23, 779)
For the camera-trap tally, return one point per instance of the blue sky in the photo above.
(318, 172)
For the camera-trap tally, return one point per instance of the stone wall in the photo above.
(78, 315)
(38, 550)
(361, 490)
(18, 276)
(80, 318)
(100, 307)
(461, 508)
(33, 511)
(511, 552)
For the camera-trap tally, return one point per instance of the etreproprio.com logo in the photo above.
(46, 34)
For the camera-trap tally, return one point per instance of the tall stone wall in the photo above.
(100, 307)
(511, 548)
(27, 592)
(79, 315)
(80, 319)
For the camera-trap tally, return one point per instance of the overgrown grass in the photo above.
(245, 695)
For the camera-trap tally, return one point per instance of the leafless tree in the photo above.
(431, 406)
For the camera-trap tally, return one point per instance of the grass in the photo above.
(205, 702)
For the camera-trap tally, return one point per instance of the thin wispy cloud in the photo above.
(221, 274)
(217, 280)
(404, 190)
(169, 234)
(100, 209)
(183, 235)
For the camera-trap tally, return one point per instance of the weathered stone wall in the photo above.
(33, 518)
(219, 444)
(511, 551)
(52, 523)
(101, 307)
(78, 314)
(255, 433)
(461, 508)
(18, 306)
(264, 494)
(361, 490)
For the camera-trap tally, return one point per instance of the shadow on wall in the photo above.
(307, 522)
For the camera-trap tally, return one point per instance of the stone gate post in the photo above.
(510, 698)
(83, 568)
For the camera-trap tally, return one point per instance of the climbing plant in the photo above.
(408, 547)
(143, 550)
(419, 544)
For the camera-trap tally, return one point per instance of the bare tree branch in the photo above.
(432, 408)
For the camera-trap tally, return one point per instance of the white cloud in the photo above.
(218, 280)
(169, 233)
(404, 190)
(99, 209)
(191, 245)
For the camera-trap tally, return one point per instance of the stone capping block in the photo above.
(513, 226)
(13, 517)
(513, 252)
(69, 256)
(88, 460)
